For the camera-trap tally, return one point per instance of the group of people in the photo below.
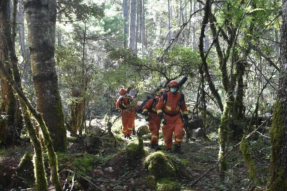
(168, 107)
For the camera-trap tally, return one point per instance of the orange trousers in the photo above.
(174, 126)
(128, 121)
(154, 125)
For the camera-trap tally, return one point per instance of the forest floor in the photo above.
(100, 163)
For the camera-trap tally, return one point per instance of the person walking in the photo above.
(171, 108)
(127, 111)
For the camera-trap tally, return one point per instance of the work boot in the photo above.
(128, 137)
(155, 146)
(134, 131)
(178, 150)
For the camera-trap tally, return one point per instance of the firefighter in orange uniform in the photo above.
(128, 113)
(171, 109)
(149, 110)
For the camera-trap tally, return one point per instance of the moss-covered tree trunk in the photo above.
(41, 20)
(10, 106)
(38, 159)
(223, 136)
(278, 132)
(47, 138)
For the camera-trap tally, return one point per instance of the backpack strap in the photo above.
(180, 102)
(153, 104)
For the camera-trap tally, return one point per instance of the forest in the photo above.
(143, 95)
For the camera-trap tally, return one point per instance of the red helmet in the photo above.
(173, 83)
(122, 91)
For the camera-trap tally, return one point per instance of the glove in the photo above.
(122, 107)
(162, 119)
(185, 118)
(145, 113)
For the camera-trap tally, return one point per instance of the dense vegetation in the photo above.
(63, 62)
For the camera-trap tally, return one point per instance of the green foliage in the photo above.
(82, 164)
(167, 185)
(160, 165)
(81, 9)
(134, 151)
(244, 147)
(278, 179)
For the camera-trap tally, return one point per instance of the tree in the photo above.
(10, 128)
(126, 19)
(278, 170)
(132, 29)
(143, 28)
(41, 19)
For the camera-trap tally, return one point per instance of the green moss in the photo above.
(40, 174)
(135, 151)
(26, 160)
(160, 166)
(223, 134)
(167, 185)
(244, 147)
(148, 181)
(60, 140)
(143, 129)
(278, 179)
(279, 183)
(83, 164)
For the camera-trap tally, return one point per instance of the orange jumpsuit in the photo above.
(154, 120)
(174, 124)
(128, 115)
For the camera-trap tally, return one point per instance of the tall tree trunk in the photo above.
(126, 20)
(132, 29)
(203, 57)
(9, 105)
(26, 66)
(48, 141)
(169, 18)
(278, 132)
(193, 27)
(60, 21)
(139, 19)
(143, 32)
(41, 20)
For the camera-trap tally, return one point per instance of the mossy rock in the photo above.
(160, 165)
(167, 185)
(143, 129)
(147, 182)
(134, 151)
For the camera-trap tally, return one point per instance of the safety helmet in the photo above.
(122, 91)
(173, 83)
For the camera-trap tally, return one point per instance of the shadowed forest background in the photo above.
(63, 63)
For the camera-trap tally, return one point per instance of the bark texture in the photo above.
(278, 132)
(126, 20)
(132, 31)
(41, 21)
(10, 107)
